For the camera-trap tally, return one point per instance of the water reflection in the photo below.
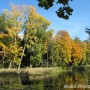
(57, 81)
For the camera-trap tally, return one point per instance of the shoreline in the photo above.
(32, 71)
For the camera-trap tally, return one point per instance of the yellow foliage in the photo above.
(3, 35)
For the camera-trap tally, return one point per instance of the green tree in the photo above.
(87, 30)
(35, 36)
(13, 26)
(49, 46)
(88, 53)
(63, 12)
(4, 39)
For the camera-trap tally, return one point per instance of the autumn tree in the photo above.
(35, 36)
(3, 38)
(38, 46)
(64, 42)
(13, 27)
(76, 54)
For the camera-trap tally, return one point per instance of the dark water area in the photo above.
(76, 80)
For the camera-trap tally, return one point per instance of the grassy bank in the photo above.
(32, 71)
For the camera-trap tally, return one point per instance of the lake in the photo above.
(76, 80)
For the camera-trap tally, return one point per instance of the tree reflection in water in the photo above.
(46, 82)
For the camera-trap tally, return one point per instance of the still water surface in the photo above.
(61, 81)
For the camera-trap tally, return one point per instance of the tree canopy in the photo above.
(39, 47)
(64, 10)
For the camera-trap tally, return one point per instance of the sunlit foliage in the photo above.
(38, 47)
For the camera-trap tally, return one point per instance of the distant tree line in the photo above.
(38, 47)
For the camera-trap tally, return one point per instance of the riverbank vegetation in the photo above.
(31, 71)
(38, 46)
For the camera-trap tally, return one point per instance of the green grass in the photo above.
(31, 71)
(7, 72)
(43, 70)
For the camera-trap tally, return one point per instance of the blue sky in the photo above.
(75, 25)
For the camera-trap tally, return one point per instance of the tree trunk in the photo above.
(52, 61)
(10, 65)
(3, 63)
(52, 57)
(30, 61)
(3, 58)
(21, 59)
(47, 58)
(30, 65)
